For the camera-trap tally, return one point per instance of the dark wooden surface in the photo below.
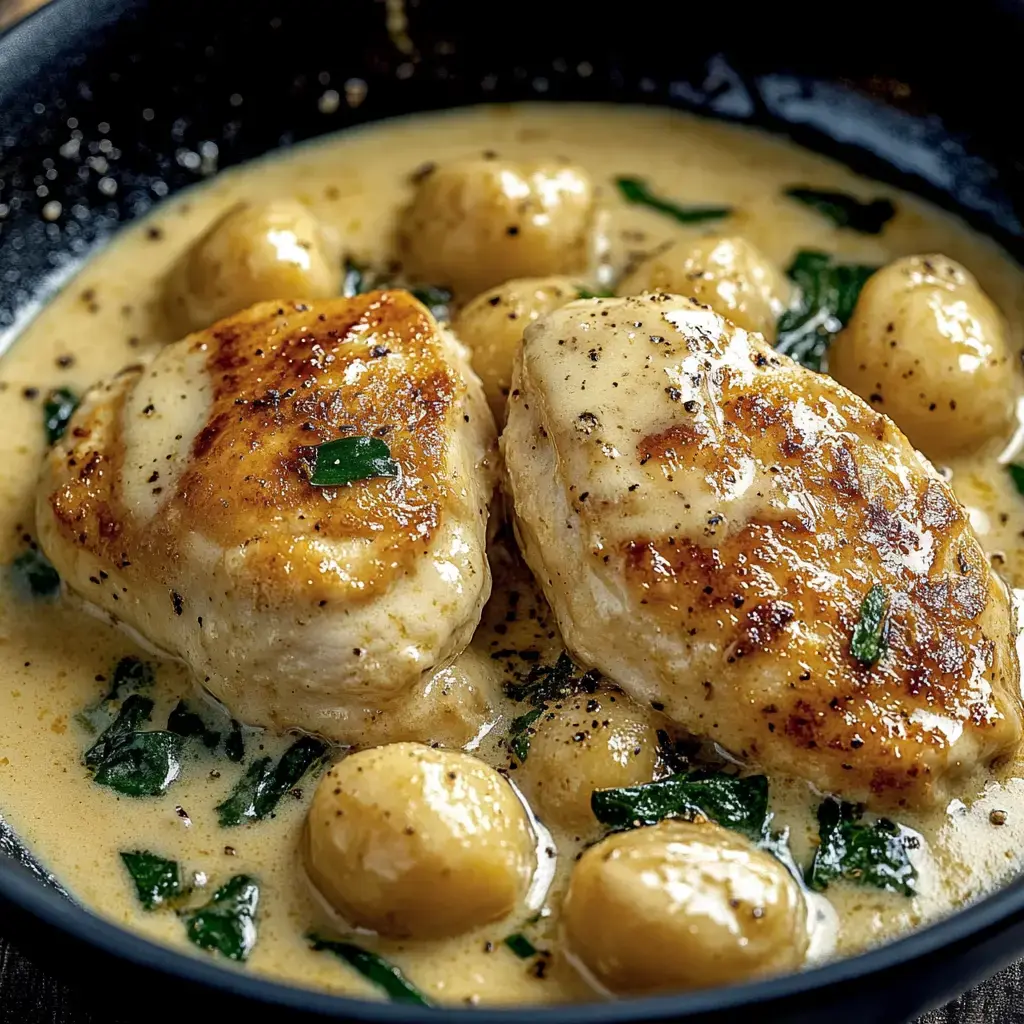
(29, 996)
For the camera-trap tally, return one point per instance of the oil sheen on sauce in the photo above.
(55, 658)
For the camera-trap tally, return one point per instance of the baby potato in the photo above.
(475, 223)
(417, 842)
(591, 741)
(492, 326)
(731, 275)
(254, 253)
(682, 905)
(926, 346)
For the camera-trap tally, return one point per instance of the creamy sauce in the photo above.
(55, 659)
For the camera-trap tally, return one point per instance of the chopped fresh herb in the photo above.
(1017, 476)
(347, 459)
(234, 745)
(134, 712)
(260, 789)
(34, 574)
(437, 300)
(844, 211)
(634, 190)
(586, 293)
(130, 675)
(353, 280)
(869, 854)
(521, 946)
(519, 733)
(870, 635)
(828, 292)
(58, 409)
(185, 722)
(156, 879)
(386, 976)
(546, 683)
(227, 924)
(732, 801)
(143, 765)
(132, 762)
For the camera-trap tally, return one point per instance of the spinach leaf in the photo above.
(740, 803)
(156, 879)
(519, 733)
(58, 409)
(586, 293)
(263, 785)
(227, 924)
(828, 294)
(871, 633)
(135, 711)
(521, 946)
(873, 854)
(546, 683)
(437, 300)
(347, 459)
(145, 764)
(386, 976)
(1017, 476)
(234, 745)
(635, 191)
(129, 675)
(34, 575)
(844, 211)
(186, 722)
(353, 280)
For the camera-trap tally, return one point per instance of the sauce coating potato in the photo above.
(928, 348)
(731, 275)
(414, 841)
(254, 253)
(475, 223)
(492, 327)
(591, 741)
(682, 905)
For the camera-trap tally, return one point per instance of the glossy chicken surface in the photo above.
(180, 503)
(707, 517)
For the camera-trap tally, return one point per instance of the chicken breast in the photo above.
(180, 502)
(707, 519)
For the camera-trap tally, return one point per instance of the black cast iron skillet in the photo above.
(108, 106)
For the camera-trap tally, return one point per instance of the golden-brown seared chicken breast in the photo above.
(707, 518)
(180, 502)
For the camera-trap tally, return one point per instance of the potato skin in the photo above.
(253, 253)
(417, 842)
(929, 349)
(729, 274)
(590, 741)
(492, 326)
(475, 223)
(682, 905)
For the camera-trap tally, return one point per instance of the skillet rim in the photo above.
(25, 48)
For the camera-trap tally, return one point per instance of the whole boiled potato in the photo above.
(731, 275)
(475, 223)
(586, 742)
(682, 905)
(927, 347)
(254, 253)
(492, 326)
(413, 841)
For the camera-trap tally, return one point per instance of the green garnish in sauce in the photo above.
(844, 211)
(348, 459)
(437, 300)
(58, 409)
(874, 854)
(34, 575)
(870, 635)
(828, 292)
(386, 976)
(157, 880)
(1017, 476)
(521, 946)
(635, 191)
(227, 924)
